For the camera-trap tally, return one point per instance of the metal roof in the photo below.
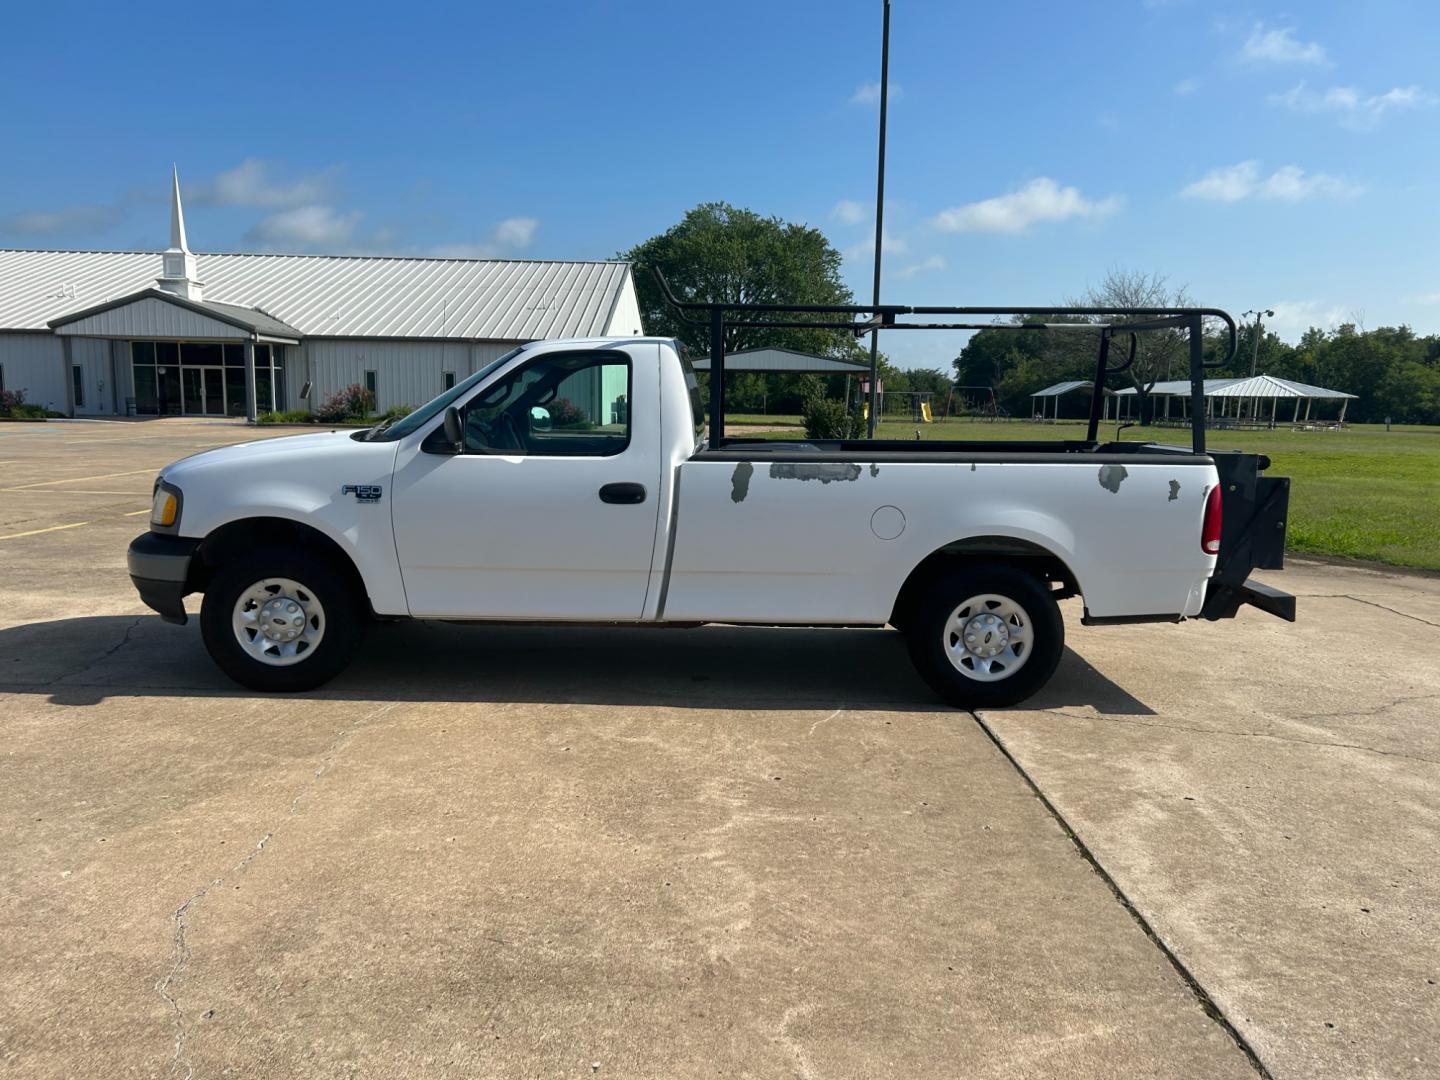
(247, 318)
(1265, 386)
(1178, 388)
(1065, 388)
(786, 361)
(335, 295)
(1268, 386)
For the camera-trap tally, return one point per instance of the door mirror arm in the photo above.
(454, 431)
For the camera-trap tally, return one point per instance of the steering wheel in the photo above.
(499, 434)
(504, 434)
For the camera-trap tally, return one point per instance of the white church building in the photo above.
(126, 333)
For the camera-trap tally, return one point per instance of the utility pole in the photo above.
(879, 218)
(1255, 345)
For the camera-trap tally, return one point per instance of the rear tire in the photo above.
(985, 636)
(281, 620)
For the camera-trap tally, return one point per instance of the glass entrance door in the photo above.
(203, 390)
(214, 391)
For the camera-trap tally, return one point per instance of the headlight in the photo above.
(165, 507)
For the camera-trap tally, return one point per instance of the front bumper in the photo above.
(160, 570)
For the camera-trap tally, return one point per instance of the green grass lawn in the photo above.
(1362, 493)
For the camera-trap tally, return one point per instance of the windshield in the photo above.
(421, 416)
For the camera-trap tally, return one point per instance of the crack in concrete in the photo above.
(1202, 996)
(827, 719)
(64, 677)
(1382, 607)
(181, 952)
(804, 1066)
(1325, 743)
(1370, 603)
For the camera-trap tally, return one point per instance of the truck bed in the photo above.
(827, 532)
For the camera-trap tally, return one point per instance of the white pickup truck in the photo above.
(571, 481)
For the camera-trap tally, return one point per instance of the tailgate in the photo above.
(1252, 537)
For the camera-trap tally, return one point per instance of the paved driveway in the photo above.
(497, 851)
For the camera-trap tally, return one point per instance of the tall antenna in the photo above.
(879, 217)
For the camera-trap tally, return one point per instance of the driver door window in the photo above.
(559, 405)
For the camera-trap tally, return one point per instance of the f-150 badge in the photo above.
(365, 493)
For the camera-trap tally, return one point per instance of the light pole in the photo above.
(879, 218)
(1255, 345)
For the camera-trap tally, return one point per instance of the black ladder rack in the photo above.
(847, 317)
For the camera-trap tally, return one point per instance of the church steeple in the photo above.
(178, 274)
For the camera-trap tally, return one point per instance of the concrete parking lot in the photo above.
(1205, 851)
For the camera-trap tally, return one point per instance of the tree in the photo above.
(720, 252)
(930, 381)
(1159, 354)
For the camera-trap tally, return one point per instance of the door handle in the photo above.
(626, 494)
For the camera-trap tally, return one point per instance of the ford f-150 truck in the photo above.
(573, 481)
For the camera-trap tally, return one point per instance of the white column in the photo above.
(250, 403)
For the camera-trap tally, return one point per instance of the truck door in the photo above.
(551, 510)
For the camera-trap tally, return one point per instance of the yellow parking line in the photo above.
(37, 532)
(80, 479)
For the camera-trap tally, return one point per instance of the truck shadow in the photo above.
(83, 661)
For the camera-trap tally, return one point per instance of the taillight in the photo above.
(1210, 530)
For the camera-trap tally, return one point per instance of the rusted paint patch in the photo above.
(1111, 477)
(740, 481)
(874, 469)
(824, 471)
(1174, 490)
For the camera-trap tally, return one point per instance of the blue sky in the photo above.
(1284, 157)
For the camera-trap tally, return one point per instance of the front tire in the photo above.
(985, 636)
(281, 620)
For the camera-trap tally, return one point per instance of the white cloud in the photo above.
(506, 240)
(1353, 109)
(1186, 87)
(92, 218)
(869, 93)
(1293, 317)
(894, 245)
(1042, 199)
(516, 233)
(1280, 47)
(924, 266)
(848, 212)
(301, 227)
(1428, 299)
(252, 183)
(1289, 183)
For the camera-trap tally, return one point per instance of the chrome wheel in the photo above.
(988, 637)
(278, 621)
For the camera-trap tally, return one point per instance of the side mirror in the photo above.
(454, 430)
(540, 418)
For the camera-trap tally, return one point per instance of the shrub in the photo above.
(12, 403)
(292, 416)
(13, 407)
(397, 412)
(564, 413)
(352, 403)
(829, 419)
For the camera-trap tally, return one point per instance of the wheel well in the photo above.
(1005, 550)
(247, 534)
